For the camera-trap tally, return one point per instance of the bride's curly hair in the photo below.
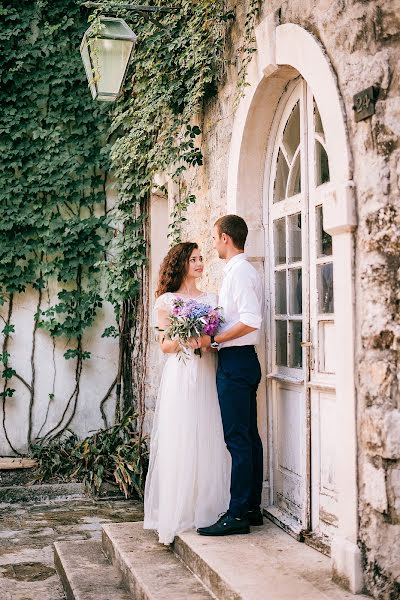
(174, 267)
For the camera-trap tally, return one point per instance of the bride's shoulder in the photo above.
(164, 301)
(211, 297)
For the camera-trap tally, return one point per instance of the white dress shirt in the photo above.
(241, 300)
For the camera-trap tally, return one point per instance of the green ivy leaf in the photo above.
(8, 329)
(111, 331)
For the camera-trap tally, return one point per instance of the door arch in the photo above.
(285, 52)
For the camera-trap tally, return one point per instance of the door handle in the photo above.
(306, 344)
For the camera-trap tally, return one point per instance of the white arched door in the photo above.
(301, 336)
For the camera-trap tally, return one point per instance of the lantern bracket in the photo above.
(133, 7)
(145, 10)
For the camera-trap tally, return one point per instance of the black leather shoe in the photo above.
(226, 525)
(255, 517)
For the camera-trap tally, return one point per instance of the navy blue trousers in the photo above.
(238, 376)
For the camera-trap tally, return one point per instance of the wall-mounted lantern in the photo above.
(106, 52)
(106, 49)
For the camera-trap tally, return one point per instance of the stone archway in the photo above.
(285, 52)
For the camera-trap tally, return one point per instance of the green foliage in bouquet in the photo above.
(115, 456)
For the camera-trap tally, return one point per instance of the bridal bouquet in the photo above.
(192, 319)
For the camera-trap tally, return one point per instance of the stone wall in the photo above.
(362, 42)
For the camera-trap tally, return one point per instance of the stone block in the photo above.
(394, 488)
(375, 487)
(380, 433)
(387, 23)
(376, 376)
(371, 430)
(391, 434)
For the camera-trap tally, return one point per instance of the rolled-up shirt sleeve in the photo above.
(247, 300)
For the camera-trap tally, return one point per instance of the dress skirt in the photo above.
(188, 481)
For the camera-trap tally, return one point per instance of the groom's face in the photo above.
(218, 243)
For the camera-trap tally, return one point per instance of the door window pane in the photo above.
(296, 337)
(324, 240)
(294, 233)
(280, 241)
(281, 177)
(321, 164)
(294, 186)
(281, 343)
(317, 121)
(325, 288)
(291, 134)
(327, 347)
(280, 293)
(296, 292)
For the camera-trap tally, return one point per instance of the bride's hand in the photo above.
(193, 343)
(210, 350)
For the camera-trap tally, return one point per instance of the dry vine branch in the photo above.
(22, 380)
(33, 369)
(74, 396)
(106, 397)
(5, 349)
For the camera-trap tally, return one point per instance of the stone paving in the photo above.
(27, 533)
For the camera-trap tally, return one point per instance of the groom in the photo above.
(238, 377)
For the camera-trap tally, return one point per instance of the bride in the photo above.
(188, 481)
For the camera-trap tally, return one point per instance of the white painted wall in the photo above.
(56, 375)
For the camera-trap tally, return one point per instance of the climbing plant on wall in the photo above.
(53, 223)
(57, 146)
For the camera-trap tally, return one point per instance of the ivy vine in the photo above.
(57, 148)
(53, 222)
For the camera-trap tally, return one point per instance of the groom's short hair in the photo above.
(235, 227)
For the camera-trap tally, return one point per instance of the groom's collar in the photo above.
(234, 261)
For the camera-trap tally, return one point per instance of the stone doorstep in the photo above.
(267, 564)
(86, 574)
(149, 569)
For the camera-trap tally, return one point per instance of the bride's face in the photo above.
(195, 266)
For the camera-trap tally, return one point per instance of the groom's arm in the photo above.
(236, 331)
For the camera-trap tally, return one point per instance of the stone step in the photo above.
(86, 574)
(149, 569)
(267, 564)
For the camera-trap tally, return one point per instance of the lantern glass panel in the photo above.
(110, 59)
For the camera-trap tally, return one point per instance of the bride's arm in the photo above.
(166, 345)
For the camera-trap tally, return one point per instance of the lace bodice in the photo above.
(164, 302)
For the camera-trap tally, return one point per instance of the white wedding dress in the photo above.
(188, 481)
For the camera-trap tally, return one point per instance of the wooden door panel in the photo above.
(289, 451)
(324, 441)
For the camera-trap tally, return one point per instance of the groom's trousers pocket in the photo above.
(240, 372)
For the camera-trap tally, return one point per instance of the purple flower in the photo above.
(190, 318)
